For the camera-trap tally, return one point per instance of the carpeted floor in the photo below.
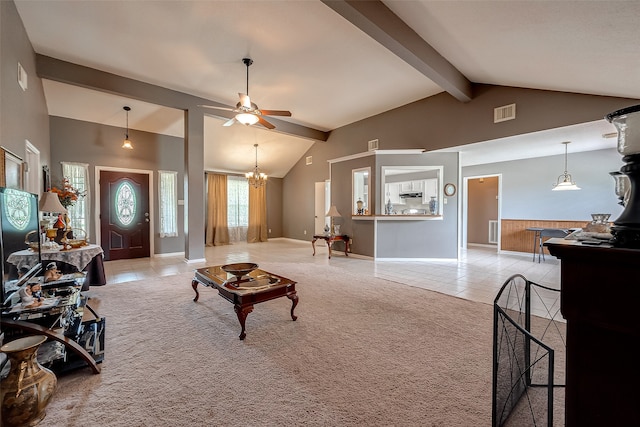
(362, 353)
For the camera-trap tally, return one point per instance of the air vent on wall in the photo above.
(504, 113)
(309, 160)
(373, 145)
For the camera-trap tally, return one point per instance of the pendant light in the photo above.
(245, 116)
(255, 177)
(565, 182)
(126, 143)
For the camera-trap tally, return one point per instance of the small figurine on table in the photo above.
(30, 295)
(52, 273)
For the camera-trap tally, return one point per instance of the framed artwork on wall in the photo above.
(12, 170)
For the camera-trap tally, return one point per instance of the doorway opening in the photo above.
(481, 213)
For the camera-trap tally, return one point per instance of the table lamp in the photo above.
(626, 229)
(50, 203)
(333, 213)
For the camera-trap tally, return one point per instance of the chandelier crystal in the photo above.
(255, 177)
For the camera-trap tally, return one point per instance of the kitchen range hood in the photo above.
(411, 195)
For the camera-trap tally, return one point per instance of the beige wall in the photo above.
(23, 114)
(438, 122)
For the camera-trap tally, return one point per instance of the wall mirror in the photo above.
(411, 190)
(361, 198)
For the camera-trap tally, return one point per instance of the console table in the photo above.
(329, 238)
(87, 258)
(258, 286)
(599, 300)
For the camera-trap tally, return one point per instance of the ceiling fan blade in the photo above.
(276, 113)
(229, 122)
(217, 108)
(245, 101)
(265, 123)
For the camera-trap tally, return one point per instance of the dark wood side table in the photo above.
(599, 299)
(329, 238)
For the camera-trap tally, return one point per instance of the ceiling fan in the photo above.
(248, 113)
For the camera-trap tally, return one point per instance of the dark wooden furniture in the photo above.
(259, 286)
(86, 258)
(599, 300)
(330, 239)
(63, 321)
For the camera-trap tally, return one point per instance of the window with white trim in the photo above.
(168, 200)
(237, 207)
(78, 176)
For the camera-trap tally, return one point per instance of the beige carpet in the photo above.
(372, 353)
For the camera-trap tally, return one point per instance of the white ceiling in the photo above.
(310, 60)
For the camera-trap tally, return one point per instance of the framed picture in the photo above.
(12, 170)
(449, 189)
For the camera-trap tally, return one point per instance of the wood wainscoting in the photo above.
(516, 238)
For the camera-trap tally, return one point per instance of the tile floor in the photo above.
(477, 275)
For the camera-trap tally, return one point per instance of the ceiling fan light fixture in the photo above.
(247, 118)
(564, 181)
(127, 143)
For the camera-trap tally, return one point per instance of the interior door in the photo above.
(124, 215)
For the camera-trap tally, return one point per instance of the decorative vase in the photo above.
(433, 206)
(29, 386)
(388, 208)
(60, 223)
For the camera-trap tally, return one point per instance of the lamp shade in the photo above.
(51, 203)
(333, 211)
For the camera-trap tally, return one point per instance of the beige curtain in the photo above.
(217, 232)
(257, 231)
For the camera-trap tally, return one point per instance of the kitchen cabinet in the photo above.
(411, 186)
(392, 192)
(430, 190)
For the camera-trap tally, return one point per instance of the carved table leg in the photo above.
(329, 246)
(294, 301)
(242, 312)
(194, 285)
(313, 243)
(346, 246)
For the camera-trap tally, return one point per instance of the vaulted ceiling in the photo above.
(330, 63)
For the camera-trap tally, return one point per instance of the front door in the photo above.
(124, 215)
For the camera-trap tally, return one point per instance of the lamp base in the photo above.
(626, 229)
(625, 237)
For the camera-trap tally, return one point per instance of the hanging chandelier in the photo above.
(255, 177)
(565, 182)
(127, 143)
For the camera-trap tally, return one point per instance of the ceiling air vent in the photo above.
(373, 145)
(504, 113)
(309, 160)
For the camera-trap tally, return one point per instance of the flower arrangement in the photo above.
(68, 194)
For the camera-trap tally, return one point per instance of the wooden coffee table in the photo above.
(258, 286)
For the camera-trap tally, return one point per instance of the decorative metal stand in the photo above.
(626, 229)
